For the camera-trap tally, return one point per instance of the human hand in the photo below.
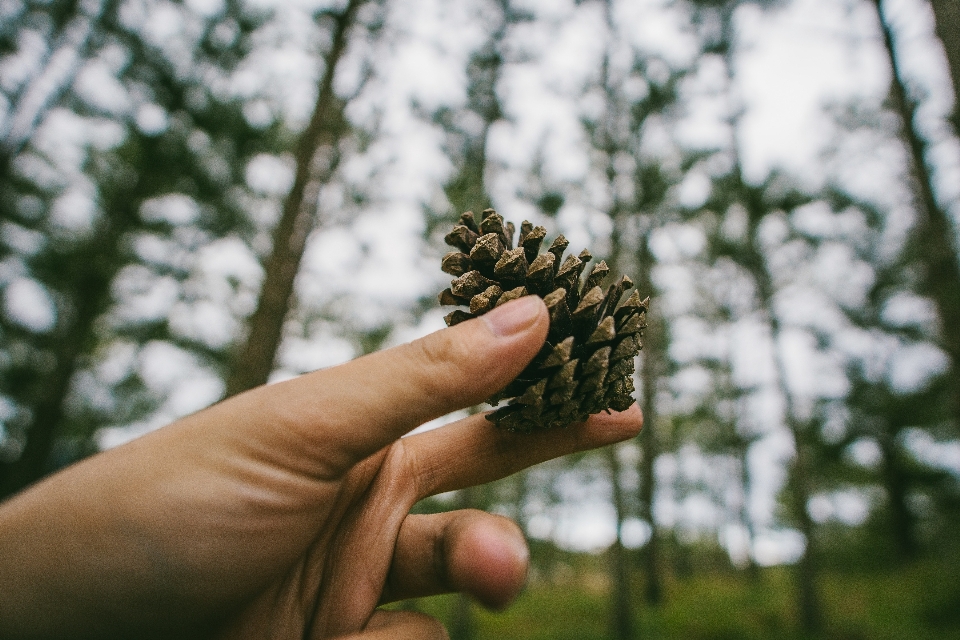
(284, 512)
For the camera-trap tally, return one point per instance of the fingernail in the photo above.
(513, 317)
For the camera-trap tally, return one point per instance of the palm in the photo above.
(359, 547)
(338, 580)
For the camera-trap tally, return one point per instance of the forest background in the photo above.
(198, 197)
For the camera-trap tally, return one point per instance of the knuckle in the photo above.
(444, 367)
(433, 629)
(420, 475)
(409, 624)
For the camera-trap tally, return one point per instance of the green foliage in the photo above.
(876, 604)
(198, 155)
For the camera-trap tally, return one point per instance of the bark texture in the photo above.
(317, 156)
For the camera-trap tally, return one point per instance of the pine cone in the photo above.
(586, 365)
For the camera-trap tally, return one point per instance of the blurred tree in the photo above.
(317, 155)
(467, 129)
(720, 424)
(198, 153)
(467, 132)
(637, 189)
(947, 16)
(69, 29)
(940, 279)
(882, 416)
(756, 204)
(720, 421)
(466, 191)
(611, 136)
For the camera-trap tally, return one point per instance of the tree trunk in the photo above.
(467, 190)
(896, 484)
(611, 143)
(743, 450)
(811, 616)
(649, 372)
(934, 233)
(810, 609)
(463, 625)
(648, 447)
(622, 614)
(91, 278)
(48, 412)
(808, 602)
(316, 159)
(947, 16)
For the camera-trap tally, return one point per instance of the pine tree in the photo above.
(757, 202)
(933, 230)
(81, 270)
(637, 200)
(878, 413)
(317, 157)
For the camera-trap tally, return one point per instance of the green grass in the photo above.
(917, 602)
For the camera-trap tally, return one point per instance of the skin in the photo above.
(284, 512)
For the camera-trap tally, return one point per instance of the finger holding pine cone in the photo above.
(586, 365)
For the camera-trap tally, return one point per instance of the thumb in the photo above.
(352, 410)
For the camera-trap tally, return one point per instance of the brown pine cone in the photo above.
(587, 363)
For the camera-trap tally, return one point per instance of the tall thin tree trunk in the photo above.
(799, 473)
(811, 611)
(810, 608)
(648, 480)
(48, 413)
(468, 189)
(622, 621)
(71, 338)
(934, 231)
(808, 601)
(746, 483)
(317, 156)
(727, 46)
(896, 484)
(463, 625)
(611, 144)
(622, 614)
(653, 593)
(947, 16)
